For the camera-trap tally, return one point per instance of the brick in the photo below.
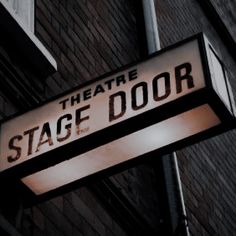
(64, 12)
(82, 9)
(85, 30)
(37, 232)
(56, 14)
(87, 54)
(55, 24)
(57, 218)
(88, 230)
(55, 50)
(73, 215)
(92, 10)
(76, 232)
(43, 8)
(66, 39)
(81, 12)
(39, 218)
(51, 229)
(88, 215)
(85, 195)
(79, 37)
(58, 202)
(44, 36)
(94, 31)
(78, 59)
(67, 63)
(51, 31)
(54, 4)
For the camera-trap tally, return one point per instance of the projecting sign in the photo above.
(118, 117)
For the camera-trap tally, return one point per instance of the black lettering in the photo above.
(134, 96)
(120, 79)
(186, 76)
(79, 119)
(87, 94)
(98, 89)
(63, 102)
(12, 146)
(109, 83)
(121, 95)
(166, 77)
(67, 127)
(75, 99)
(46, 131)
(133, 74)
(30, 132)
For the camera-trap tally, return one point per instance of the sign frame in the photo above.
(128, 126)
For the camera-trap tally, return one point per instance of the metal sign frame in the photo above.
(131, 125)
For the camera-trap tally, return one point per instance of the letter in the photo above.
(109, 83)
(45, 131)
(135, 96)
(155, 87)
(120, 79)
(133, 74)
(30, 132)
(75, 99)
(79, 120)
(63, 102)
(98, 89)
(121, 95)
(67, 127)
(87, 94)
(12, 146)
(186, 76)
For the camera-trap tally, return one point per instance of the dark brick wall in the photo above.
(76, 213)
(226, 10)
(207, 169)
(87, 39)
(140, 186)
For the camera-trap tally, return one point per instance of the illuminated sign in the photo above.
(178, 96)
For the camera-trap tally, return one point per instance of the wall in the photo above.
(87, 38)
(207, 169)
(226, 11)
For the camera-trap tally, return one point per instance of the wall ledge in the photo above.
(24, 45)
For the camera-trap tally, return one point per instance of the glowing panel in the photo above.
(123, 149)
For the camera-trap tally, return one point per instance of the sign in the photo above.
(118, 117)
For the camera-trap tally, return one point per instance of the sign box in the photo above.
(176, 97)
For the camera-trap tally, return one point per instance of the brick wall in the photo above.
(226, 11)
(87, 39)
(207, 169)
(76, 213)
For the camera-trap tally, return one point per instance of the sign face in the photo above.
(118, 117)
(106, 102)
